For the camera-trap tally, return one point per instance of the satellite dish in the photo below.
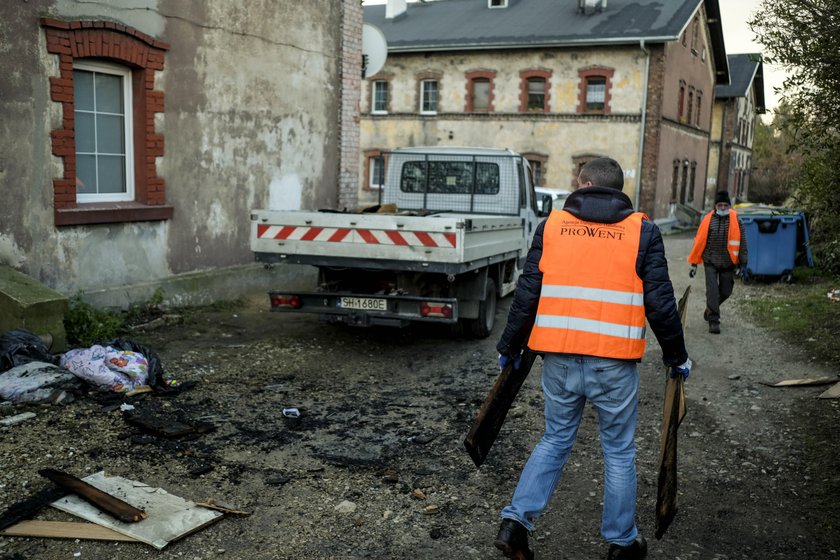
(374, 50)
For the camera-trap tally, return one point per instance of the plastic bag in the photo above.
(21, 346)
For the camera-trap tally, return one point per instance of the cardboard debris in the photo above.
(169, 517)
(803, 382)
(832, 393)
(65, 530)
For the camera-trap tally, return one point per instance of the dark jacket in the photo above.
(716, 252)
(609, 206)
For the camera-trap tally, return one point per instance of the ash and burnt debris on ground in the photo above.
(374, 465)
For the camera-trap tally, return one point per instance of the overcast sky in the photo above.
(738, 39)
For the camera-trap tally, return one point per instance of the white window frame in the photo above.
(423, 96)
(372, 161)
(373, 108)
(128, 116)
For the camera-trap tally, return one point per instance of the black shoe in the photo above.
(714, 327)
(512, 540)
(636, 550)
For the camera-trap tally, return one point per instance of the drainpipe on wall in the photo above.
(643, 124)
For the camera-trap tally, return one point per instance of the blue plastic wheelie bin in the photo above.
(773, 241)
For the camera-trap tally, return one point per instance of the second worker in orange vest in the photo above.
(721, 245)
(596, 270)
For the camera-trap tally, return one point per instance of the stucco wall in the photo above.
(252, 100)
(561, 134)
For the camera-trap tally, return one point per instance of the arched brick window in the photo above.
(595, 90)
(480, 85)
(534, 91)
(121, 186)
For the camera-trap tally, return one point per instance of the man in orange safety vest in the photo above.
(721, 245)
(595, 272)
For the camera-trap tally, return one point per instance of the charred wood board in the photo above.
(30, 506)
(111, 505)
(487, 424)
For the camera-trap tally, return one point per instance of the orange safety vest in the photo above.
(733, 245)
(592, 299)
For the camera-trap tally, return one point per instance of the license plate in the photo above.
(366, 304)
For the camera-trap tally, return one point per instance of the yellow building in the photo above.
(733, 128)
(561, 82)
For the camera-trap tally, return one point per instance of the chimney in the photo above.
(394, 9)
(590, 6)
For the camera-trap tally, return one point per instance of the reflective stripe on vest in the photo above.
(592, 300)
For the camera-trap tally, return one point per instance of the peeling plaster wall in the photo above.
(252, 96)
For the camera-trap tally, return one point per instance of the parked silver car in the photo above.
(558, 197)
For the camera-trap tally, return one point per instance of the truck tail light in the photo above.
(285, 301)
(436, 309)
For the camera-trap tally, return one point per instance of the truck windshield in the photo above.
(450, 177)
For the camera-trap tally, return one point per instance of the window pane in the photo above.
(110, 136)
(83, 90)
(536, 94)
(85, 139)
(377, 171)
(481, 95)
(380, 96)
(596, 93)
(111, 174)
(85, 174)
(109, 95)
(429, 96)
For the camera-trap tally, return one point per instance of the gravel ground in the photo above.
(375, 466)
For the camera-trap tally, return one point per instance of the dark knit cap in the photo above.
(722, 196)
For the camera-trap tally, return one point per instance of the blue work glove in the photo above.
(693, 271)
(745, 274)
(504, 359)
(683, 369)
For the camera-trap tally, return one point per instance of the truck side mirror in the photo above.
(547, 202)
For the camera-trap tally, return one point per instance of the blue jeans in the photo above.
(613, 388)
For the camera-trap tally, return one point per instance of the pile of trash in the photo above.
(29, 373)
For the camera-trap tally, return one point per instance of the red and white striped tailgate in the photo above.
(357, 235)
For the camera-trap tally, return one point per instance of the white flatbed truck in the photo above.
(448, 238)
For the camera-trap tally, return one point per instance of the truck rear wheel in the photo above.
(483, 326)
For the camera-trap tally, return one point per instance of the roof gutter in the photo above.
(545, 44)
(643, 124)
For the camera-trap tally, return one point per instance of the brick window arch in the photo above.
(534, 84)
(142, 55)
(539, 165)
(595, 90)
(480, 83)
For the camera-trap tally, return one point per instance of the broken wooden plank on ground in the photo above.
(120, 509)
(65, 530)
(223, 507)
(169, 517)
(803, 382)
(832, 393)
(30, 506)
